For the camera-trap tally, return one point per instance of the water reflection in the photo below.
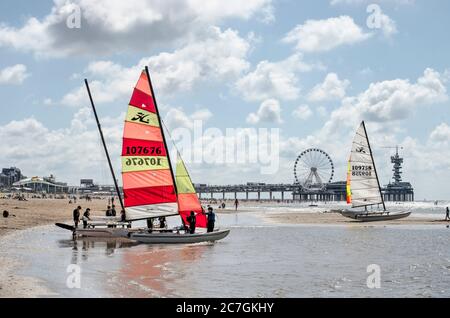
(149, 269)
(81, 246)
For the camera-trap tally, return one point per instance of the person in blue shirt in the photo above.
(211, 219)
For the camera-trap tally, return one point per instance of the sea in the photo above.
(257, 259)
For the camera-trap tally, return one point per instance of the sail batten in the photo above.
(362, 181)
(148, 183)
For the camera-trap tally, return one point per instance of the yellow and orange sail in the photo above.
(187, 197)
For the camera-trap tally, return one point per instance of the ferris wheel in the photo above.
(313, 169)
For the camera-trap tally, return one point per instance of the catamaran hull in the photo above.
(174, 238)
(96, 232)
(371, 217)
(104, 232)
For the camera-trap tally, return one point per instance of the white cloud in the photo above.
(177, 118)
(388, 101)
(70, 153)
(116, 26)
(219, 56)
(388, 26)
(269, 112)
(302, 112)
(273, 80)
(358, 2)
(14, 75)
(441, 135)
(332, 88)
(324, 35)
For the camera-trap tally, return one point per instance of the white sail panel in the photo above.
(363, 178)
(151, 211)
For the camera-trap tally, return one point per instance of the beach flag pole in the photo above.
(104, 145)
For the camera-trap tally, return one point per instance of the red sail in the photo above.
(148, 183)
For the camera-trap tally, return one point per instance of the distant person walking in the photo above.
(236, 204)
(192, 220)
(447, 214)
(211, 219)
(76, 216)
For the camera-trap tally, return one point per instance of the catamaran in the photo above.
(150, 188)
(363, 186)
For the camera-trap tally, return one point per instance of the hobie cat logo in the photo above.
(360, 149)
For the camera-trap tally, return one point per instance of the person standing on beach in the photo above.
(108, 211)
(236, 204)
(86, 217)
(211, 219)
(447, 214)
(113, 210)
(150, 225)
(192, 222)
(76, 216)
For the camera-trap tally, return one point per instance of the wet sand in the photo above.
(337, 219)
(27, 214)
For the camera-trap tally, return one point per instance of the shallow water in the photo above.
(255, 260)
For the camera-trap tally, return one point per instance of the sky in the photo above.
(308, 71)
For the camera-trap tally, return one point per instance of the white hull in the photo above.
(364, 216)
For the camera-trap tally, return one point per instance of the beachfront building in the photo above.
(42, 185)
(9, 176)
(88, 186)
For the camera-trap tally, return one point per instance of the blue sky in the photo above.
(220, 63)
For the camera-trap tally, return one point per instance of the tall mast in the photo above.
(162, 129)
(104, 145)
(374, 168)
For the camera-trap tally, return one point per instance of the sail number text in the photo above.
(362, 171)
(142, 161)
(140, 150)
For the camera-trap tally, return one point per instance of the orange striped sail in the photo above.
(148, 183)
(187, 197)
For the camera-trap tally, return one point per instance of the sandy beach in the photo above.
(35, 212)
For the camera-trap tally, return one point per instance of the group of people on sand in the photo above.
(85, 218)
(110, 212)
